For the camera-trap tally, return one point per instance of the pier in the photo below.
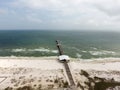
(67, 68)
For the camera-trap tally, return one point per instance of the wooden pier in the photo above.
(69, 73)
(59, 48)
(65, 62)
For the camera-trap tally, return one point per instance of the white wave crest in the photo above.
(78, 55)
(103, 52)
(18, 50)
(84, 51)
(54, 51)
(35, 50)
(39, 50)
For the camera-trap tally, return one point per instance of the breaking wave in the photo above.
(34, 50)
(102, 52)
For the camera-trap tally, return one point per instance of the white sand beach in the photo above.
(48, 73)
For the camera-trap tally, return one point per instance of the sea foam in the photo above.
(34, 50)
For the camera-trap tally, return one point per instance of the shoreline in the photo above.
(54, 57)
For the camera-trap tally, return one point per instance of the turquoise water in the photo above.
(77, 44)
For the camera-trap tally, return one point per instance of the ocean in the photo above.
(76, 44)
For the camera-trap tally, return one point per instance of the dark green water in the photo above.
(82, 44)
